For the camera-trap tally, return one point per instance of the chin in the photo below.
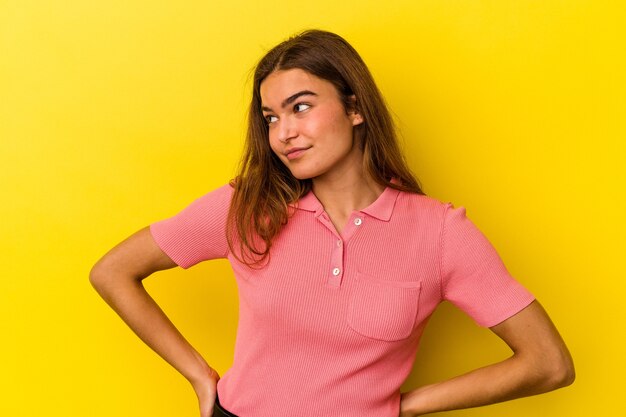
(302, 174)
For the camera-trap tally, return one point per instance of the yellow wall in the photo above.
(116, 114)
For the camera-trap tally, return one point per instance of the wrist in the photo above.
(405, 406)
(202, 374)
(207, 376)
(411, 403)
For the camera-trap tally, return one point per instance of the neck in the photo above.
(346, 193)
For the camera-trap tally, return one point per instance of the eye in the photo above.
(301, 107)
(270, 119)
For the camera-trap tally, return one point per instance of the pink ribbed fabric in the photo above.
(331, 326)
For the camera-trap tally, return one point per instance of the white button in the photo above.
(336, 271)
(358, 221)
(339, 243)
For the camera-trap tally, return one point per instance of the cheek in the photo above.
(335, 121)
(276, 148)
(273, 142)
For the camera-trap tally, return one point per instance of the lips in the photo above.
(294, 153)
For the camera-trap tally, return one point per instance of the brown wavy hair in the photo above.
(264, 187)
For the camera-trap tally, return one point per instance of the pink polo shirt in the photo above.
(331, 326)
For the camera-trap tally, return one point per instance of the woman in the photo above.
(339, 259)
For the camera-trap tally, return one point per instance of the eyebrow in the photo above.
(291, 99)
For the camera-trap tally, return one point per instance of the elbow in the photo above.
(564, 374)
(103, 276)
(107, 277)
(97, 277)
(560, 372)
(548, 371)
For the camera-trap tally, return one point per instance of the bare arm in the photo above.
(540, 363)
(117, 277)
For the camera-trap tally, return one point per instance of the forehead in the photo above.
(283, 83)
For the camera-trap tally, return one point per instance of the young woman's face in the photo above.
(309, 129)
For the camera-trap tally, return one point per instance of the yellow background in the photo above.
(116, 114)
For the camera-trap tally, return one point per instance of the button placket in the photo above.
(335, 270)
(336, 264)
(336, 267)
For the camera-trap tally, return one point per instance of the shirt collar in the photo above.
(381, 209)
(309, 202)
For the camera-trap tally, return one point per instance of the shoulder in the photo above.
(420, 214)
(446, 218)
(215, 203)
(423, 205)
(218, 196)
(223, 191)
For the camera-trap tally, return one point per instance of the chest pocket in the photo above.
(383, 310)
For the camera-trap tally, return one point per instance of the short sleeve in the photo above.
(474, 277)
(198, 232)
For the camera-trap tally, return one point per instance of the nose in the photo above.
(286, 130)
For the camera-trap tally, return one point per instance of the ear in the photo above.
(353, 113)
